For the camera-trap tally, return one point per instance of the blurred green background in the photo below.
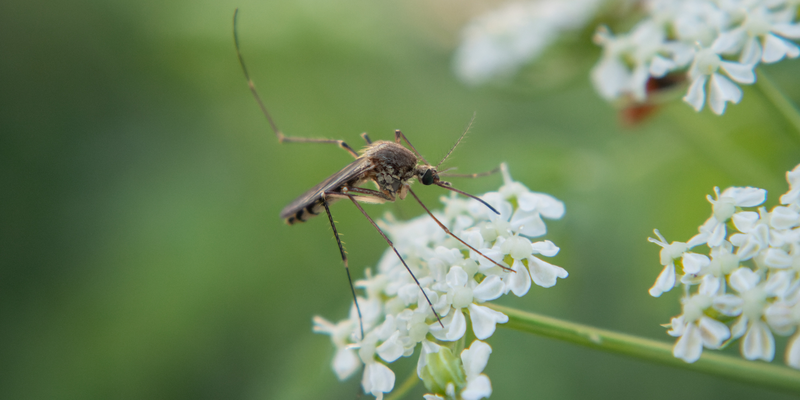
(142, 254)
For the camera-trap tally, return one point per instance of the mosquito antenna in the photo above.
(442, 184)
(478, 175)
(275, 129)
(457, 141)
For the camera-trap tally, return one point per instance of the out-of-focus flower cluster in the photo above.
(748, 286)
(715, 44)
(499, 43)
(458, 281)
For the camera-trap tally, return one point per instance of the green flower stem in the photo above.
(784, 106)
(757, 373)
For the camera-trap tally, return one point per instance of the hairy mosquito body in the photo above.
(389, 165)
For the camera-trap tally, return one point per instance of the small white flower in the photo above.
(696, 330)
(669, 252)
(707, 63)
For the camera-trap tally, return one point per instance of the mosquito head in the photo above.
(427, 174)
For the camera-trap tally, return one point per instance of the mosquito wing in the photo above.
(309, 203)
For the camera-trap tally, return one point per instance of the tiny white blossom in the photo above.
(705, 69)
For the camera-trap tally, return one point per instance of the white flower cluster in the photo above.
(498, 43)
(717, 42)
(759, 261)
(458, 281)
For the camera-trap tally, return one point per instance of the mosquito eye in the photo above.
(427, 177)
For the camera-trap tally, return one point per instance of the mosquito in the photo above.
(388, 164)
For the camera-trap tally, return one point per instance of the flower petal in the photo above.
(758, 343)
(713, 332)
(489, 289)
(477, 388)
(696, 96)
(345, 363)
(665, 281)
(722, 90)
(545, 248)
(454, 327)
(743, 279)
(391, 349)
(484, 320)
(518, 282)
(793, 352)
(544, 274)
(728, 304)
(693, 262)
(776, 48)
(528, 223)
(689, 347)
(746, 196)
(739, 72)
(475, 358)
(378, 379)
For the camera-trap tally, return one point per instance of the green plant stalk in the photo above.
(784, 106)
(753, 372)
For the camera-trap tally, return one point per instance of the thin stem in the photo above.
(407, 385)
(784, 106)
(757, 373)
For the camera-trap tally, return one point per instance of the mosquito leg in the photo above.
(344, 260)
(478, 175)
(453, 234)
(291, 139)
(399, 135)
(366, 138)
(398, 255)
(281, 137)
(369, 192)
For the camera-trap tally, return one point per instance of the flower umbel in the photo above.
(714, 43)
(457, 280)
(748, 286)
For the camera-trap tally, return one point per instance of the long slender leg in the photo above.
(441, 225)
(366, 138)
(344, 260)
(281, 137)
(398, 255)
(291, 139)
(368, 192)
(478, 175)
(399, 135)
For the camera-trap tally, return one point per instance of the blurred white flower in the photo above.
(458, 281)
(723, 41)
(760, 262)
(498, 43)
